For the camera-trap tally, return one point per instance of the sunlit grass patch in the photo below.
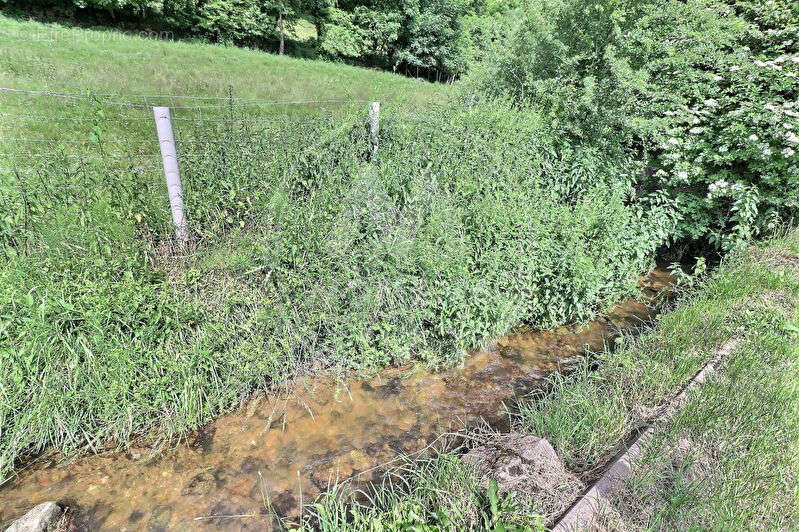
(729, 459)
(434, 493)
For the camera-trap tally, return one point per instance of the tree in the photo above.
(405, 35)
(431, 38)
(368, 33)
(285, 14)
(318, 11)
(233, 21)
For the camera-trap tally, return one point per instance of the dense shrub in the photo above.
(703, 90)
(726, 90)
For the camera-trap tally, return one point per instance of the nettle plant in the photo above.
(729, 156)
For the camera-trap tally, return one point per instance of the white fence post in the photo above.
(374, 124)
(169, 155)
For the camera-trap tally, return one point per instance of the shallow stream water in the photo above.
(290, 446)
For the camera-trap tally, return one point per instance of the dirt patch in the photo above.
(775, 259)
(529, 467)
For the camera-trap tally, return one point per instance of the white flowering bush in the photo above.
(703, 92)
(724, 81)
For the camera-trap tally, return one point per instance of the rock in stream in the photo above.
(42, 518)
(529, 467)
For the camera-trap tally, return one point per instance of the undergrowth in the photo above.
(307, 254)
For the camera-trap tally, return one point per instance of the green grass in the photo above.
(438, 493)
(730, 460)
(58, 58)
(727, 461)
(122, 67)
(740, 428)
(104, 332)
(311, 256)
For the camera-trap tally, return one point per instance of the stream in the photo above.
(288, 447)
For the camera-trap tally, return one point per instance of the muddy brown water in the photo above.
(284, 444)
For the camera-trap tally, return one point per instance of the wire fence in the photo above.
(62, 150)
(149, 101)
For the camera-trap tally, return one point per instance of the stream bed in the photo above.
(287, 447)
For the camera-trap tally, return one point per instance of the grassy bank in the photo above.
(308, 254)
(727, 461)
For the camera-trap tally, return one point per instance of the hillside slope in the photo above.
(58, 58)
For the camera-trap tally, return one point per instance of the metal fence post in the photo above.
(169, 155)
(374, 124)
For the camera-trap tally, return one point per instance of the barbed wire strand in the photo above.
(65, 156)
(150, 119)
(127, 141)
(237, 100)
(105, 142)
(66, 171)
(71, 96)
(75, 118)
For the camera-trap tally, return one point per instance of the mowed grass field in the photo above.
(57, 58)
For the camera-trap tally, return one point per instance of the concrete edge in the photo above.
(583, 513)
